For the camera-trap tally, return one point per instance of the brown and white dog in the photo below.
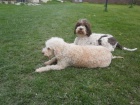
(86, 37)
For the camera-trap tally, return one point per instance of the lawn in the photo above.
(23, 31)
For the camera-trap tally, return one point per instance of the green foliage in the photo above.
(23, 31)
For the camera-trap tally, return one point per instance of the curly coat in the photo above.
(74, 55)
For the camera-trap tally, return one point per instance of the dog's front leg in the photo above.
(50, 67)
(53, 60)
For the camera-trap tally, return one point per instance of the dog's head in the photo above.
(53, 47)
(48, 52)
(82, 28)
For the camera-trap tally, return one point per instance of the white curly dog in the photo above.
(74, 55)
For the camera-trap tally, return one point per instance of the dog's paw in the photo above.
(39, 70)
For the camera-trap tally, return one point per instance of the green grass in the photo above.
(23, 31)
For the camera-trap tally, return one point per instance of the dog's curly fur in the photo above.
(86, 37)
(74, 55)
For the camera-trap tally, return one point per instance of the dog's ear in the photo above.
(57, 51)
(88, 29)
(77, 24)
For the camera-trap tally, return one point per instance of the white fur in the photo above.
(93, 40)
(74, 55)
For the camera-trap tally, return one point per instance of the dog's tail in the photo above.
(114, 57)
(128, 49)
(124, 48)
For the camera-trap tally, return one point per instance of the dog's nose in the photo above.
(81, 29)
(43, 50)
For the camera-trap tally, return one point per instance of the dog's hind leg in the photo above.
(114, 57)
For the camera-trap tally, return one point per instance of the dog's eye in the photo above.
(78, 24)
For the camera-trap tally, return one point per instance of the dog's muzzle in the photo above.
(43, 50)
(80, 30)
